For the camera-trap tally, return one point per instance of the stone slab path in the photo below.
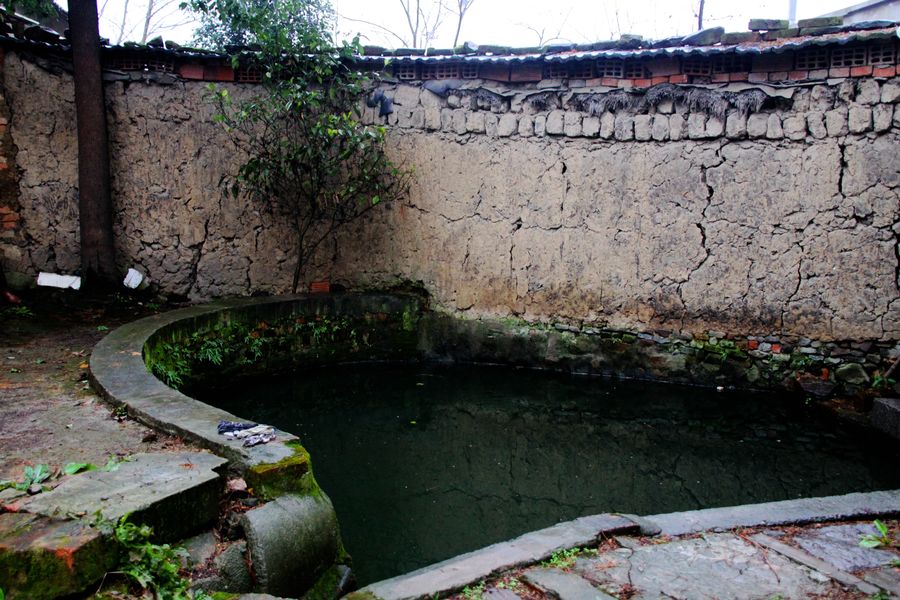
(715, 566)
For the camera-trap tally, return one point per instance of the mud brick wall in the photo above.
(9, 189)
(773, 218)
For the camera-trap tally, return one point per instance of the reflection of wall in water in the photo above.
(498, 469)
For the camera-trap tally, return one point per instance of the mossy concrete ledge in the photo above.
(298, 528)
(119, 373)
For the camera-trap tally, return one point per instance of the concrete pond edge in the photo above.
(454, 574)
(119, 373)
(280, 470)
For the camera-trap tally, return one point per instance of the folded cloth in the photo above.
(226, 426)
(262, 438)
(245, 433)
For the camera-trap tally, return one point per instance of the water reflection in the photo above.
(423, 463)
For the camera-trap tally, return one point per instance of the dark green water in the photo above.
(423, 463)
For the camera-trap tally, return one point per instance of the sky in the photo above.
(506, 22)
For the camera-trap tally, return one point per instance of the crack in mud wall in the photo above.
(783, 222)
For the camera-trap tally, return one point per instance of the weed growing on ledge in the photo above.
(880, 382)
(564, 559)
(154, 567)
(237, 345)
(15, 311)
(35, 475)
(876, 540)
(475, 592)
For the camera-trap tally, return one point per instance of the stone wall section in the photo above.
(779, 223)
(803, 113)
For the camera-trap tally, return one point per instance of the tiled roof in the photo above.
(39, 38)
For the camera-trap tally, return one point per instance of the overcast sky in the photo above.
(516, 22)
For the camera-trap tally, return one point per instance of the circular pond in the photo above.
(426, 462)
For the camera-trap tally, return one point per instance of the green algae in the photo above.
(290, 475)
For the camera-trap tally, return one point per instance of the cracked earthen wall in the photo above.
(780, 222)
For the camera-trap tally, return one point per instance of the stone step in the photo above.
(43, 558)
(176, 494)
(885, 415)
(564, 586)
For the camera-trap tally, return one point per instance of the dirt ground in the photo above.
(48, 412)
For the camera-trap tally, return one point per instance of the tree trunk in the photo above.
(94, 201)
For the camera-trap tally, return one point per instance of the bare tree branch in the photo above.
(462, 7)
(381, 27)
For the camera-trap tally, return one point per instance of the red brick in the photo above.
(642, 83)
(527, 72)
(719, 78)
(738, 76)
(776, 348)
(758, 77)
(498, 72)
(664, 66)
(659, 80)
(752, 344)
(884, 71)
(10, 225)
(610, 81)
(861, 71)
(218, 73)
(778, 76)
(9, 218)
(320, 287)
(773, 62)
(839, 72)
(5, 210)
(819, 74)
(191, 71)
(798, 75)
(678, 78)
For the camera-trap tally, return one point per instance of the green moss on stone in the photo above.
(39, 573)
(290, 475)
(361, 595)
(326, 587)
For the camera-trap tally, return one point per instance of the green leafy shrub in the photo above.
(311, 161)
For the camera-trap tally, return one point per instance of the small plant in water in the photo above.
(875, 540)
